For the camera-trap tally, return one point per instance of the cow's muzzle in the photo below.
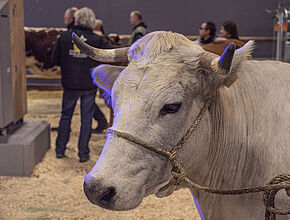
(98, 194)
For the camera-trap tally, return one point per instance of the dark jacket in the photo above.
(71, 25)
(76, 66)
(203, 41)
(138, 32)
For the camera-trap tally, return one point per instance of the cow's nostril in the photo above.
(98, 194)
(107, 196)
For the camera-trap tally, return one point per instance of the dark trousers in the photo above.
(100, 117)
(87, 106)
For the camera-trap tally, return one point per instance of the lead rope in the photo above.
(270, 189)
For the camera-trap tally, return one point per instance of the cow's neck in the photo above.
(223, 152)
(229, 153)
(220, 159)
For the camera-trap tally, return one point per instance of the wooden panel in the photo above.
(18, 58)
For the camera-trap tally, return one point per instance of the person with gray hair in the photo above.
(139, 27)
(77, 82)
(85, 17)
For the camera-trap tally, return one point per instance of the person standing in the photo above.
(77, 82)
(139, 27)
(69, 19)
(99, 27)
(98, 114)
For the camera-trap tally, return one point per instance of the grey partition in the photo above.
(6, 99)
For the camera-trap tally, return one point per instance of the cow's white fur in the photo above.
(242, 141)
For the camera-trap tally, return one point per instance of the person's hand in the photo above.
(220, 39)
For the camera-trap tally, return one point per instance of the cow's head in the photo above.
(155, 98)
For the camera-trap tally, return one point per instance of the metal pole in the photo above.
(280, 17)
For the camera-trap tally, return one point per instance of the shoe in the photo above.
(100, 129)
(59, 155)
(84, 159)
(54, 128)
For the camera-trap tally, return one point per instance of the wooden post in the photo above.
(17, 42)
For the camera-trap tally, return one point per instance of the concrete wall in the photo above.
(179, 16)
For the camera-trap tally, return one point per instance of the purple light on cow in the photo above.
(136, 52)
(139, 51)
(227, 56)
(223, 55)
(101, 75)
(198, 208)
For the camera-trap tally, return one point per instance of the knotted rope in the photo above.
(270, 189)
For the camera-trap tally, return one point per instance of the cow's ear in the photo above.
(105, 75)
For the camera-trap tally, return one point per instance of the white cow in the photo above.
(242, 141)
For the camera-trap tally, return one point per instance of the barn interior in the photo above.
(36, 185)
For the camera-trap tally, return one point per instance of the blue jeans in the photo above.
(87, 105)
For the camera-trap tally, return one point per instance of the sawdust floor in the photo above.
(54, 190)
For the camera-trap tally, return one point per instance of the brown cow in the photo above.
(218, 48)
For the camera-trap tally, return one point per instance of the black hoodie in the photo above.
(76, 66)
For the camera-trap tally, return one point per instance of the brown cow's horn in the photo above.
(118, 55)
(220, 65)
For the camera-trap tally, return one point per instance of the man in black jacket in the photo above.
(76, 81)
(206, 33)
(139, 27)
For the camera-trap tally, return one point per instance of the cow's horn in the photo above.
(220, 65)
(118, 55)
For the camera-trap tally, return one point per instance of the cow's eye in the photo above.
(170, 108)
